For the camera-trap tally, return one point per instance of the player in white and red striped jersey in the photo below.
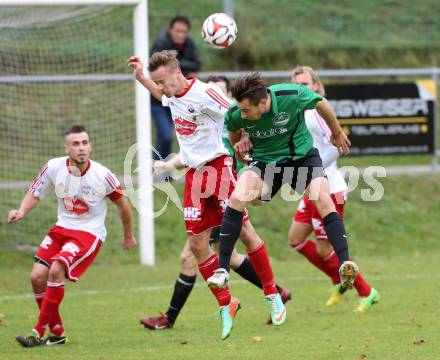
(307, 218)
(197, 110)
(82, 187)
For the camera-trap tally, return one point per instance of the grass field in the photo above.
(394, 241)
(101, 316)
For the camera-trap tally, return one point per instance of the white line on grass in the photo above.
(405, 277)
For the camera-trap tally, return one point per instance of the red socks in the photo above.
(261, 264)
(49, 309)
(56, 324)
(330, 266)
(207, 268)
(362, 287)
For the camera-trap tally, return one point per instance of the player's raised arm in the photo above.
(27, 204)
(338, 138)
(135, 63)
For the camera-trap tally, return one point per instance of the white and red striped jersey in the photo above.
(82, 201)
(329, 153)
(198, 119)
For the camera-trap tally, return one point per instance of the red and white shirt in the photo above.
(198, 119)
(329, 153)
(82, 201)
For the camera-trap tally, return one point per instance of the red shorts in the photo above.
(307, 213)
(74, 248)
(206, 195)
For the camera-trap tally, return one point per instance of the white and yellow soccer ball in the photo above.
(219, 30)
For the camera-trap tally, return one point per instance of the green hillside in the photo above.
(277, 34)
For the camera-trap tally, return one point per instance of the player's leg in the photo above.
(182, 289)
(208, 263)
(52, 298)
(318, 194)
(298, 234)
(249, 187)
(259, 259)
(201, 215)
(39, 276)
(243, 267)
(39, 279)
(79, 250)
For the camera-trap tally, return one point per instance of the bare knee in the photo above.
(236, 200)
(199, 246)
(294, 239)
(38, 278)
(324, 205)
(188, 263)
(195, 246)
(323, 248)
(298, 232)
(57, 272)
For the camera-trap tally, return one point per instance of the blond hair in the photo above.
(315, 78)
(163, 58)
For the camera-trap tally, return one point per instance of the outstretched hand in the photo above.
(14, 216)
(136, 63)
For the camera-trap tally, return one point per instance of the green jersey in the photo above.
(238, 165)
(281, 133)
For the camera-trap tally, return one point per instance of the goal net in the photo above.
(60, 66)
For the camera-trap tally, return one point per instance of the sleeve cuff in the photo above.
(116, 195)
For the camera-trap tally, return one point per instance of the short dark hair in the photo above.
(181, 19)
(220, 78)
(75, 129)
(163, 58)
(251, 87)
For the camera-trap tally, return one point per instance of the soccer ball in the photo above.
(219, 30)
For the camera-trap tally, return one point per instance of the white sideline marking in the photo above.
(405, 277)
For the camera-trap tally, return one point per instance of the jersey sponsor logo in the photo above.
(263, 134)
(379, 107)
(47, 241)
(184, 127)
(70, 248)
(191, 214)
(77, 206)
(281, 119)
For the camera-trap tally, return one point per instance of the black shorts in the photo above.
(297, 173)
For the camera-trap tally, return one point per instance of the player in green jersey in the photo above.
(282, 153)
(225, 85)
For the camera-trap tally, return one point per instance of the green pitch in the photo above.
(101, 316)
(395, 242)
